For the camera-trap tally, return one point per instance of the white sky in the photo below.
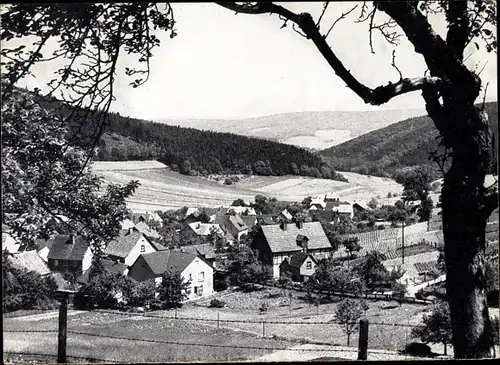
(230, 66)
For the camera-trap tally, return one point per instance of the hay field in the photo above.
(163, 189)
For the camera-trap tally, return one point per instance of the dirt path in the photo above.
(42, 316)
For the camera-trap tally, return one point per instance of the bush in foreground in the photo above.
(217, 303)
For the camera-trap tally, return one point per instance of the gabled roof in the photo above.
(280, 240)
(286, 214)
(146, 230)
(422, 267)
(29, 260)
(237, 223)
(123, 244)
(205, 249)
(61, 249)
(127, 223)
(362, 204)
(41, 243)
(161, 261)
(297, 259)
(250, 220)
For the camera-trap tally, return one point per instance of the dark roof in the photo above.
(280, 240)
(204, 249)
(63, 250)
(266, 219)
(161, 261)
(108, 265)
(297, 259)
(123, 244)
(422, 267)
(250, 220)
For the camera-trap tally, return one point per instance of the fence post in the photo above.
(217, 320)
(175, 313)
(63, 327)
(363, 340)
(263, 329)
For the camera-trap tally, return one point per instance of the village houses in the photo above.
(192, 269)
(275, 243)
(69, 253)
(127, 247)
(299, 267)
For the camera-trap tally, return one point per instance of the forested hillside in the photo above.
(407, 143)
(192, 151)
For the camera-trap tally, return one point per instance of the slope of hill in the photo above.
(315, 130)
(162, 189)
(188, 150)
(407, 143)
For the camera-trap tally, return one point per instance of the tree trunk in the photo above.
(464, 222)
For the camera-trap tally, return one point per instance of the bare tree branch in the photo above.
(325, 6)
(377, 96)
(393, 64)
(338, 19)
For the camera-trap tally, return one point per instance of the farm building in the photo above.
(275, 243)
(192, 268)
(127, 247)
(299, 267)
(147, 217)
(205, 251)
(69, 253)
(342, 209)
(233, 225)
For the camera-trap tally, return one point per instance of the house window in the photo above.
(198, 291)
(56, 262)
(190, 277)
(201, 276)
(143, 248)
(308, 265)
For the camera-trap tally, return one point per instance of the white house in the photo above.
(192, 268)
(127, 247)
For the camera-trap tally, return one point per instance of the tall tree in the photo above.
(45, 180)
(98, 32)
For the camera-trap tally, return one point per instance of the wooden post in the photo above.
(217, 320)
(403, 242)
(175, 313)
(363, 340)
(63, 326)
(263, 329)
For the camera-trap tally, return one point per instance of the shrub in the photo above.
(217, 303)
(228, 181)
(418, 349)
(172, 290)
(264, 307)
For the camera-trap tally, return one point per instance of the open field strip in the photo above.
(162, 188)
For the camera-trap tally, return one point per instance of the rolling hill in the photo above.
(314, 130)
(406, 143)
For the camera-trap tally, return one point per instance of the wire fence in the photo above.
(389, 338)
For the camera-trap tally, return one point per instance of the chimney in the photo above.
(305, 244)
(283, 225)
(130, 230)
(300, 224)
(71, 240)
